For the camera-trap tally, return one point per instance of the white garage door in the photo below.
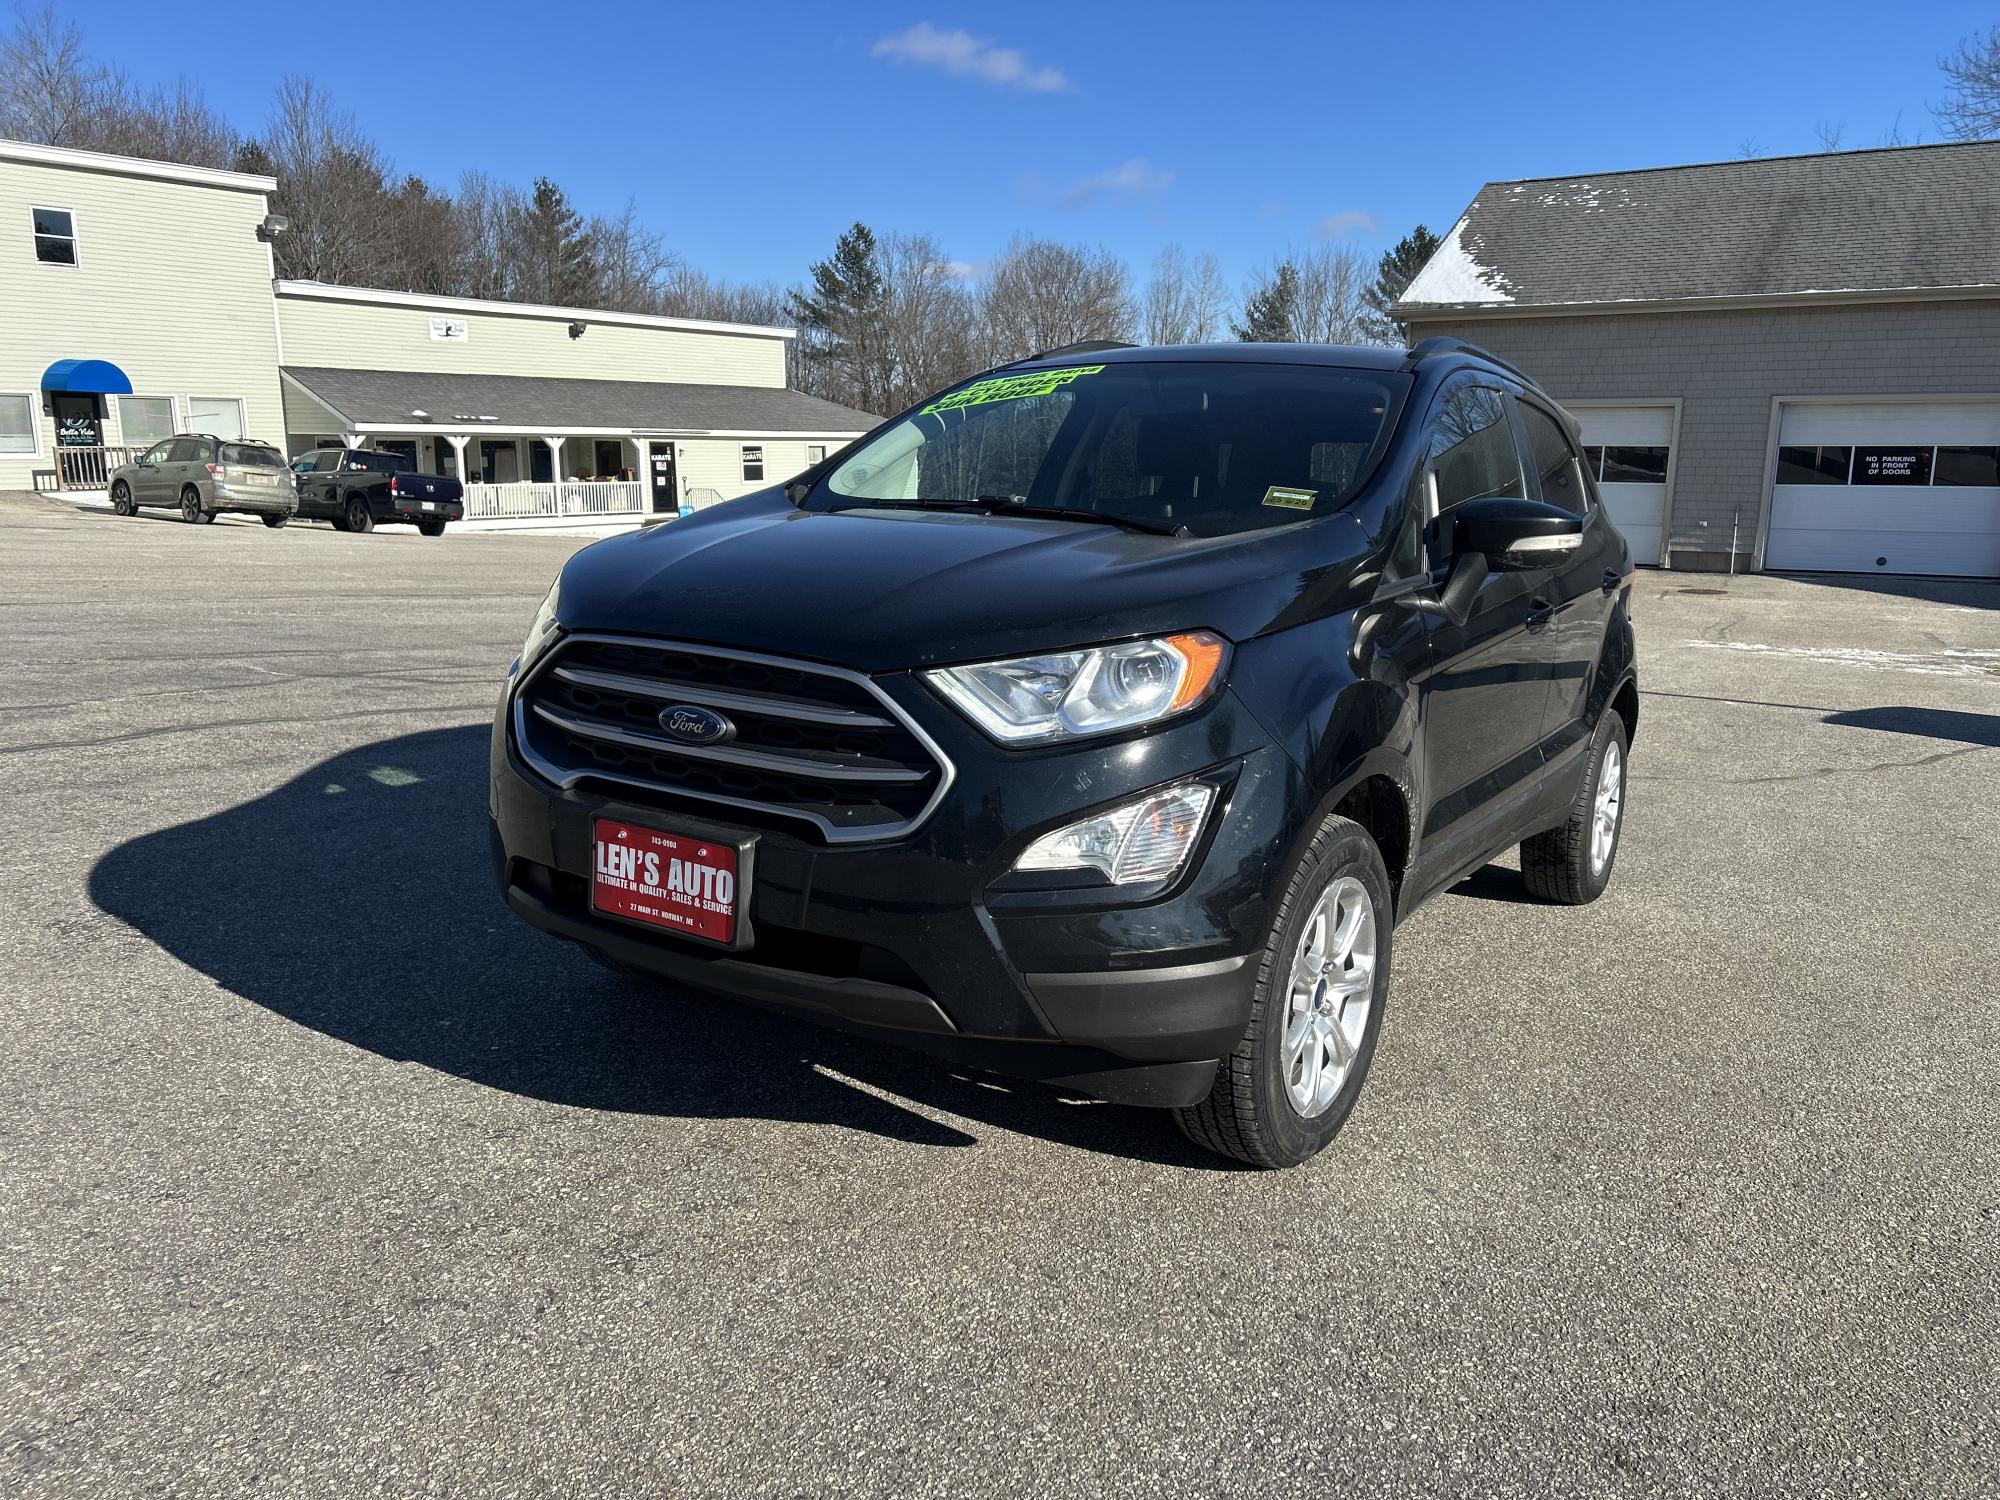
(1888, 488)
(1627, 448)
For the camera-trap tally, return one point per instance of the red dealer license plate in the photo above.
(683, 884)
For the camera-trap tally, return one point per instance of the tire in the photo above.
(191, 510)
(1254, 1113)
(357, 515)
(121, 499)
(274, 522)
(1571, 864)
(431, 528)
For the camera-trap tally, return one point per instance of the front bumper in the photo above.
(1131, 998)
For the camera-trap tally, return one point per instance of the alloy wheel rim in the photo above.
(1610, 803)
(1328, 999)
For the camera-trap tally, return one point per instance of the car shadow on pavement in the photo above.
(358, 899)
(1928, 723)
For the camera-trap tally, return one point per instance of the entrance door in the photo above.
(666, 486)
(78, 426)
(1627, 450)
(1888, 487)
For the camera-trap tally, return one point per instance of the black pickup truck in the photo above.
(358, 489)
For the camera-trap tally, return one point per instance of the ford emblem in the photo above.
(696, 726)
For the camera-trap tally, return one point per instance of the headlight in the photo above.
(543, 631)
(1068, 694)
(1139, 843)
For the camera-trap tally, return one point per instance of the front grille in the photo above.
(813, 744)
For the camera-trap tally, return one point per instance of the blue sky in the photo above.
(750, 134)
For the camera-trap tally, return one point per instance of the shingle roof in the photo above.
(530, 403)
(1903, 218)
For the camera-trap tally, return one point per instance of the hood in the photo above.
(886, 590)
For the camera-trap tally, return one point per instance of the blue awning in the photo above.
(86, 377)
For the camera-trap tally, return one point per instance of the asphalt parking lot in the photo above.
(323, 1176)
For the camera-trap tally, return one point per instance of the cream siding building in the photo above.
(510, 396)
(138, 269)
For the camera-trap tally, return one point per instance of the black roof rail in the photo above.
(1444, 344)
(1085, 346)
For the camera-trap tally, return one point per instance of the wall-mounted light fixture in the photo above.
(273, 226)
(576, 330)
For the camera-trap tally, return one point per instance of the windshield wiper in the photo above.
(1007, 505)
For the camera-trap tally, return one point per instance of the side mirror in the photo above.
(1512, 533)
(801, 484)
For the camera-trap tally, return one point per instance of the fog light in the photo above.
(1137, 844)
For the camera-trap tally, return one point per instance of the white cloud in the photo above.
(962, 53)
(1135, 176)
(964, 270)
(1347, 221)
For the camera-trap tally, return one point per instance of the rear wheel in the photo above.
(121, 499)
(191, 510)
(1286, 1090)
(274, 522)
(357, 515)
(1571, 864)
(431, 528)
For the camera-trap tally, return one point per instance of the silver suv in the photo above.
(202, 475)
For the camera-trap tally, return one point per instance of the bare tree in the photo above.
(931, 336)
(48, 88)
(1749, 149)
(1333, 292)
(1185, 301)
(330, 186)
(1971, 110)
(633, 262)
(481, 211)
(1830, 135)
(1041, 295)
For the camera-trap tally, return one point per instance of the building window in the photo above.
(55, 236)
(753, 461)
(1814, 465)
(815, 454)
(1968, 466)
(1902, 465)
(19, 431)
(1628, 465)
(144, 420)
(218, 416)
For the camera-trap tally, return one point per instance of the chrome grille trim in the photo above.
(739, 699)
(805, 768)
(823, 714)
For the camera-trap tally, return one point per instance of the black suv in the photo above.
(1094, 721)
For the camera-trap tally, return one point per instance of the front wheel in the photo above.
(1322, 987)
(431, 528)
(358, 516)
(1571, 864)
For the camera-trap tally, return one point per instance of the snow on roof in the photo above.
(1455, 275)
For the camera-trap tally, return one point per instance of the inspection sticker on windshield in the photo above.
(1012, 387)
(1290, 499)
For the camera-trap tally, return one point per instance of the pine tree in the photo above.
(841, 317)
(554, 257)
(1393, 275)
(1271, 312)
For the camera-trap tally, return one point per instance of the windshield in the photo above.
(1211, 448)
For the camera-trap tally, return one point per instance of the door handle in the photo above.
(1610, 581)
(1540, 612)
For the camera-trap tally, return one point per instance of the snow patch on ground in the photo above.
(1454, 275)
(1950, 662)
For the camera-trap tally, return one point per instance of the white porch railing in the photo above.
(528, 501)
(89, 468)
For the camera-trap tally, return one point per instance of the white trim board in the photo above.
(327, 292)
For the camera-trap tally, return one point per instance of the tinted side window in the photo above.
(1555, 461)
(185, 451)
(1472, 448)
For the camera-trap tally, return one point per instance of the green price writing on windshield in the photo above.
(1011, 388)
